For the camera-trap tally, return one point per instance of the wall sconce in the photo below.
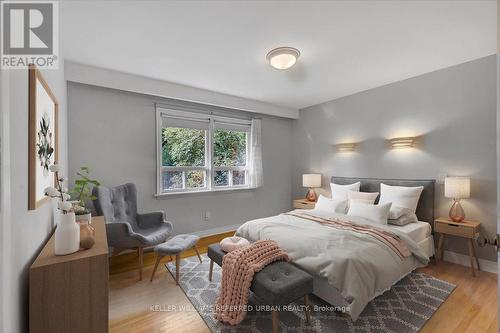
(401, 143)
(345, 147)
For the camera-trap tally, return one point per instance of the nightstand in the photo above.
(464, 229)
(303, 204)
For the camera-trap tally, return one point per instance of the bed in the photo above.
(350, 269)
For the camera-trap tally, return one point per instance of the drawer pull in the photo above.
(453, 225)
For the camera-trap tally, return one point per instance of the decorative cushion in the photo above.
(329, 205)
(375, 213)
(339, 192)
(177, 244)
(229, 244)
(364, 197)
(401, 196)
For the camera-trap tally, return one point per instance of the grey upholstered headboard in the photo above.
(425, 208)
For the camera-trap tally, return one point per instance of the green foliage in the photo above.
(183, 147)
(229, 148)
(186, 147)
(82, 191)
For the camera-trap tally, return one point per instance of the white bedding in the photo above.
(357, 265)
(418, 231)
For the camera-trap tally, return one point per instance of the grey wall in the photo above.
(113, 132)
(453, 111)
(23, 232)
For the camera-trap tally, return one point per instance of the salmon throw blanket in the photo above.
(238, 269)
(388, 238)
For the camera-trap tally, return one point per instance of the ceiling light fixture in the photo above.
(283, 57)
(401, 143)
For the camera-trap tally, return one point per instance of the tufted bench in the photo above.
(277, 284)
(175, 246)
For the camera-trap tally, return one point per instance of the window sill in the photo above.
(160, 196)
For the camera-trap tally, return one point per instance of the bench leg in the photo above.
(308, 309)
(197, 253)
(276, 321)
(158, 258)
(211, 270)
(177, 268)
(140, 251)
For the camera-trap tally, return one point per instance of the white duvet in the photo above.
(359, 266)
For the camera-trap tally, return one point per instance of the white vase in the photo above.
(67, 235)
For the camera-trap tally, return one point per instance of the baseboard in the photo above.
(457, 258)
(215, 231)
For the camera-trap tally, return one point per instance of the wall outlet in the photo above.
(206, 216)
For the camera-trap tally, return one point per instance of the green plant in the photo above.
(82, 191)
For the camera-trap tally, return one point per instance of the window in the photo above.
(199, 152)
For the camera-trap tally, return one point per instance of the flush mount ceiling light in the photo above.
(345, 147)
(283, 57)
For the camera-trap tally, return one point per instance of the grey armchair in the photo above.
(126, 229)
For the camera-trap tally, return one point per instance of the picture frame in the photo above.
(43, 147)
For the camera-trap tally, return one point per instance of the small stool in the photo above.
(279, 283)
(175, 246)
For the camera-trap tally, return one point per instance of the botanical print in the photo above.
(45, 144)
(43, 136)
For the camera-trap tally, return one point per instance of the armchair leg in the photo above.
(158, 258)
(177, 268)
(197, 253)
(140, 251)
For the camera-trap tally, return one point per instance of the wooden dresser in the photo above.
(70, 293)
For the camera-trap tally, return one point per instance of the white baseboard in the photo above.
(214, 231)
(457, 258)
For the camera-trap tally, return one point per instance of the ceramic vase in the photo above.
(67, 235)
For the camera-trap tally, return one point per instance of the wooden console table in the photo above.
(70, 293)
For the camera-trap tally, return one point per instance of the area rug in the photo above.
(404, 308)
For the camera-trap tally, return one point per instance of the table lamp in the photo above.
(457, 188)
(311, 180)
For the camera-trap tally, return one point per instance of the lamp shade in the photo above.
(311, 180)
(457, 187)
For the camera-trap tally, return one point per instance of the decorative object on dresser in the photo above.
(67, 234)
(311, 181)
(457, 188)
(303, 204)
(127, 229)
(70, 293)
(43, 137)
(174, 247)
(82, 193)
(464, 229)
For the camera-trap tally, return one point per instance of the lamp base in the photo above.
(311, 195)
(457, 213)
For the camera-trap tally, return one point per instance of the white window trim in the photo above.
(210, 169)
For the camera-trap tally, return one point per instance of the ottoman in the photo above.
(278, 284)
(175, 246)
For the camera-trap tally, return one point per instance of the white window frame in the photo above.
(213, 123)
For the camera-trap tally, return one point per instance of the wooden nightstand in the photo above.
(465, 229)
(303, 204)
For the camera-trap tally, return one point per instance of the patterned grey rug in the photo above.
(404, 308)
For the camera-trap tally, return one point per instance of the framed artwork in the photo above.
(43, 137)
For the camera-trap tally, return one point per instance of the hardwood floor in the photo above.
(144, 306)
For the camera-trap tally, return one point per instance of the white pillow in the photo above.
(375, 213)
(401, 196)
(339, 192)
(364, 197)
(329, 205)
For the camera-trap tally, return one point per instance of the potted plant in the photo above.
(67, 234)
(82, 194)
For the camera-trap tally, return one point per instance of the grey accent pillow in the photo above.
(404, 219)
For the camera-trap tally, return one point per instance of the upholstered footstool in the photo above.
(277, 284)
(175, 246)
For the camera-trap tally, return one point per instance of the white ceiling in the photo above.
(346, 46)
